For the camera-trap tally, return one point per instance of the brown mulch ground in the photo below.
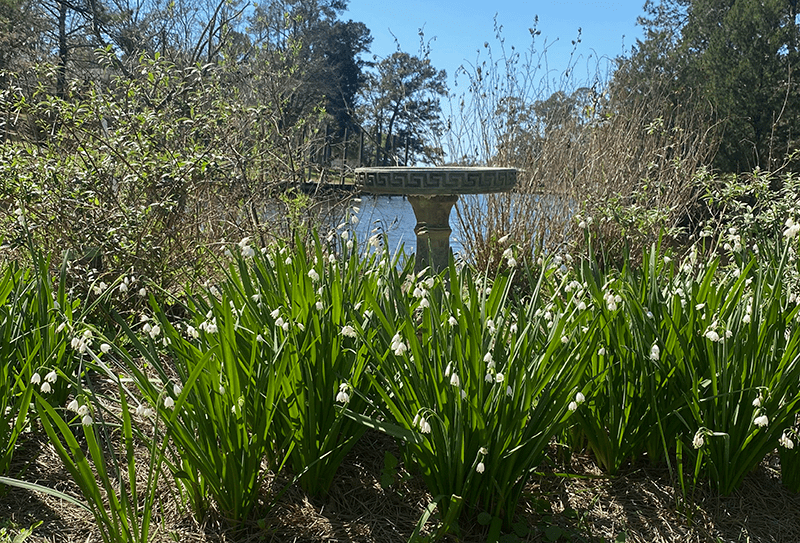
(639, 505)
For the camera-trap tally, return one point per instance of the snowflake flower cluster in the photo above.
(49, 379)
(82, 410)
(422, 424)
(398, 345)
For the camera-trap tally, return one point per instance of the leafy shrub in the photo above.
(142, 175)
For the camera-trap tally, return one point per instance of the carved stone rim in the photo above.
(438, 180)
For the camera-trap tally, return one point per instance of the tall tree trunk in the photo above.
(63, 51)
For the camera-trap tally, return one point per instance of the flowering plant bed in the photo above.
(481, 405)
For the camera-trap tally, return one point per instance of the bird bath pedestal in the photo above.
(432, 193)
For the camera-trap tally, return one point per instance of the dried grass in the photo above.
(626, 155)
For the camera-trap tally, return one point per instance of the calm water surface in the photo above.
(395, 216)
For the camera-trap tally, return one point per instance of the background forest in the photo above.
(162, 120)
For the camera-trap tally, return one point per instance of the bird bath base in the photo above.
(432, 193)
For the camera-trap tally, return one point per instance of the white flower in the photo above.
(581, 306)
(169, 403)
(73, 405)
(424, 303)
(564, 340)
(746, 318)
(488, 359)
(142, 293)
(611, 301)
(786, 442)
(177, 389)
(489, 378)
(275, 313)
(508, 253)
(699, 439)
(398, 345)
(192, 332)
(154, 331)
(288, 261)
(572, 406)
(601, 351)
(61, 327)
(499, 378)
(122, 288)
(757, 402)
(87, 420)
(480, 467)
(792, 229)
(454, 380)
(761, 421)
(51, 377)
(83, 410)
(342, 396)
(655, 352)
(210, 326)
(105, 348)
(509, 391)
(580, 398)
(248, 251)
(504, 239)
(46, 388)
(100, 287)
(312, 273)
(320, 306)
(36, 378)
(712, 335)
(424, 426)
(349, 331)
(280, 322)
(452, 320)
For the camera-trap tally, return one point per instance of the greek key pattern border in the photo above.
(436, 181)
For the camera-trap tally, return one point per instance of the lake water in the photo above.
(395, 216)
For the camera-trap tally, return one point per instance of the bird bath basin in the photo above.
(432, 193)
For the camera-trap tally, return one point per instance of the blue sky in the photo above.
(461, 28)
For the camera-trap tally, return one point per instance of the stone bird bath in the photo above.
(432, 193)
